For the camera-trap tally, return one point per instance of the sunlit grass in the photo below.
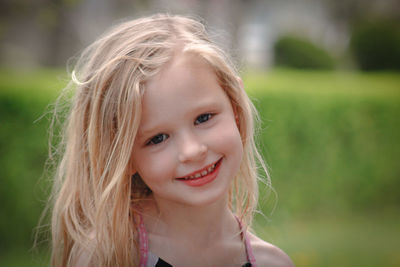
(350, 117)
(324, 83)
(25, 257)
(337, 240)
(41, 84)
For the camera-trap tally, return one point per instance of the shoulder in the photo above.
(267, 254)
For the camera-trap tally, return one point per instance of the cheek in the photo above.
(228, 140)
(154, 167)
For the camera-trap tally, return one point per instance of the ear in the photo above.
(235, 108)
(235, 112)
(131, 168)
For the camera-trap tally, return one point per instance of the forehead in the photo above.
(186, 76)
(186, 83)
(182, 69)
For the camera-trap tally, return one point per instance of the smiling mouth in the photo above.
(203, 172)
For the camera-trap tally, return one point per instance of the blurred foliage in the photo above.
(330, 140)
(23, 151)
(376, 44)
(295, 52)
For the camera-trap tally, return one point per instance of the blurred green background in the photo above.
(329, 102)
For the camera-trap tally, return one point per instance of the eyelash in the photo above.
(208, 117)
(159, 138)
(156, 139)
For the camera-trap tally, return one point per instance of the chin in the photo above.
(208, 197)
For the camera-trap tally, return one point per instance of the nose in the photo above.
(191, 148)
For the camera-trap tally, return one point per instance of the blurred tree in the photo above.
(36, 31)
(54, 19)
(294, 52)
(351, 11)
(376, 45)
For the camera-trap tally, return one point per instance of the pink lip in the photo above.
(202, 180)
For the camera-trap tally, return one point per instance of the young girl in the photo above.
(158, 165)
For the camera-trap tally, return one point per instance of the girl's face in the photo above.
(188, 148)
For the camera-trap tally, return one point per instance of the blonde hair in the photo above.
(93, 191)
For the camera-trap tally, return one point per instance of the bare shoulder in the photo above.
(267, 254)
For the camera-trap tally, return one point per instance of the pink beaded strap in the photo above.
(143, 243)
(249, 251)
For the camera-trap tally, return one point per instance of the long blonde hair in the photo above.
(93, 192)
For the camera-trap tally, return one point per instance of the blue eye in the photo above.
(157, 139)
(203, 118)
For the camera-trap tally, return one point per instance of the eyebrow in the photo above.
(198, 109)
(147, 133)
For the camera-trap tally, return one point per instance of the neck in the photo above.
(204, 223)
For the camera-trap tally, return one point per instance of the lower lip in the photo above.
(205, 179)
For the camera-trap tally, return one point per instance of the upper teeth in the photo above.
(201, 174)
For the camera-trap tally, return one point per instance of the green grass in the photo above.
(341, 240)
(324, 84)
(24, 257)
(331, 142)
(39, 85)
(330, 138)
